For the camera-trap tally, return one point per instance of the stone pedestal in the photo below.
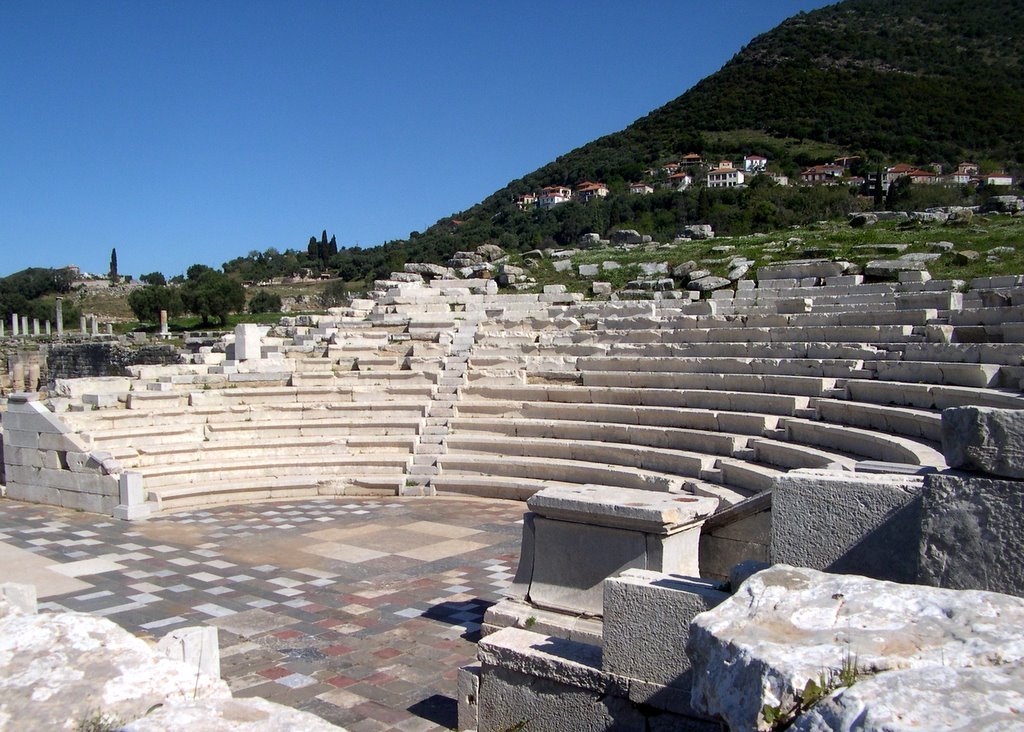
(248, 342)
(581, 535)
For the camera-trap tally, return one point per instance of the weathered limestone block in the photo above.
(646, 622)
(984, 439)
(891, 267)
(17, 599)
(708, 283)
(785, 626)
(972, 533)
(196, 646)
(932, 698)
(553, 683)
(798, 269)
(584, 534)
(59, 669)
(847, 522)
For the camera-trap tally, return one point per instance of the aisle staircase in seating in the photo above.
(430, 440)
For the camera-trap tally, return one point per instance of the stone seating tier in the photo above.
(177, 453)
(737, 401)
(712, 445)
(844, 439)
(273, 489)
(562, 471)
(221, 471)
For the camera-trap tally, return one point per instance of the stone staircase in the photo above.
(430, 440)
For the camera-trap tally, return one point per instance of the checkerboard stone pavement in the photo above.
(358, 610)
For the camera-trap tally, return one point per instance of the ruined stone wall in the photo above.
(109, 358)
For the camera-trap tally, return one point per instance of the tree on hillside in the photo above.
(321, 251)
(211, 294)
(147, 302)
(113, 265)
(265, 302)
(153, 278)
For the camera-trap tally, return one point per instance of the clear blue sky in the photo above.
(197, 131)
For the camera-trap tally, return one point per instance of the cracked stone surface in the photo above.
(787, 625)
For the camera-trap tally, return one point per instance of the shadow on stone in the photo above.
(440, 710)
(468, 613)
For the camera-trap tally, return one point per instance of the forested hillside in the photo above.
(916, 81)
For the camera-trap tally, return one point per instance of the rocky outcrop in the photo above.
(626, 236)
(73, 671)
(429, 270)
(901, 646)
(698, 231)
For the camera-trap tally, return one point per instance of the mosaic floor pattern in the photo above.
(358, 610)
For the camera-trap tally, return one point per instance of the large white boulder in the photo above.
(786, 626)
(59, 669)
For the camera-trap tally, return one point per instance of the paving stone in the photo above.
(300, 620)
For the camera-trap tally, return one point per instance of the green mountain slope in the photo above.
(916, 81)
(923, 80)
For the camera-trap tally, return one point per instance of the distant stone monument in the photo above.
(164, 332)
(60, 317)
(82, 326)
(14, 325)
(248, 342)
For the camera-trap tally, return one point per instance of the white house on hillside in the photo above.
(587, 190)
(754, 163)
(641, 189)
(551, 196)
(725, 177)
(680, 181)
(526, 201)
(996, 179)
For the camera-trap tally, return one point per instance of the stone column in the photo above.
(35, 327)
(18, 376)
(47, 329)
(32, 377)
(60, 317)
(81, 325)
(110, 329)
(1, 329)
(164, 332)
(24, 325)
(14, 324)
(94, 326)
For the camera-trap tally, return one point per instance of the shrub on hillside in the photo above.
(265, 302)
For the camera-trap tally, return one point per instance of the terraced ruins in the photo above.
(687, 425)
